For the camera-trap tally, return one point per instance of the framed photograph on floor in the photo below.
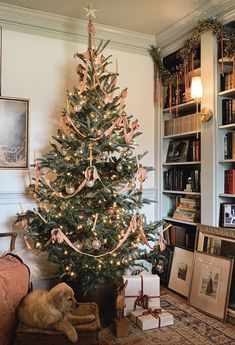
(162, 265)
(211, 282)
(14, 120)
(181, 271)
(177, 151)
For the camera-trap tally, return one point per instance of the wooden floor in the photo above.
(181, 299)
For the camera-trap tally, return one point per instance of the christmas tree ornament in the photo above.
(90, 183)
(87, 244)
(77, 107)
(70, 189)
(103, 157)
(89, 222)
(96, 244)
(132, 184)
(78, 245)
(129, 152)
(125, 261)
(63, 152)
(63, 206)
(119, 167)
(80, 152)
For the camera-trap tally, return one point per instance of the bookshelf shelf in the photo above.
(183, 134)
(226, 60)
(187, 105)
(182, 163)
(165, 191)
(224, 161)
(229, 126)
(173, 220)
(226, 195)
(227, 93)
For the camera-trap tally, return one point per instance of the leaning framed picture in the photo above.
(14, 123)
(177, 151)
(181, 271)
(211, 282)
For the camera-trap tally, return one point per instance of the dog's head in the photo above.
(62, 298)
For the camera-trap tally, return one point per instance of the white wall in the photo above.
(42, 69)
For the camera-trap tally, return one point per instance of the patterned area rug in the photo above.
(191, 327)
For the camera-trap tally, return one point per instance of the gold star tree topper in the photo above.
(90, 11)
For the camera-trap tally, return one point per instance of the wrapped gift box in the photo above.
(142, 284)
(145, 320)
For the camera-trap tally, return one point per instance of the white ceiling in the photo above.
(146, 16)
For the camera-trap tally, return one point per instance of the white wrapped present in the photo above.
(139, 286)
(150, 319)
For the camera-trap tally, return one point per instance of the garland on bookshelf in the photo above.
(185, 56)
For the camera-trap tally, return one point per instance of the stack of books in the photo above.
(188, 209)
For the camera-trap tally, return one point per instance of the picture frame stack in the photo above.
(206, 276)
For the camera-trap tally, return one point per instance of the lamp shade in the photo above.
(196, 87)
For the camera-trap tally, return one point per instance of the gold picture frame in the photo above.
(14, 143)
(210, 284)
(181, 271)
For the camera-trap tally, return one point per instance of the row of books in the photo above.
(229, 145)
(188, 209)
(228, 111)
(179, 180)
(229, 181)
(227, 82)
(180, 237)
(182, 124)
(194, 150)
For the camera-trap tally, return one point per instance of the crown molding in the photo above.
(173, 38)
(46, 24)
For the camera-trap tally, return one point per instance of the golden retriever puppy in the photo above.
(51, 309)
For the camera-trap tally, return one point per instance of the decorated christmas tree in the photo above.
(89, 185)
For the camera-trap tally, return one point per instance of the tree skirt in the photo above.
(190, 327)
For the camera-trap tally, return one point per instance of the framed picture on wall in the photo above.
(14, 122)
(211, 283)
(181, 271)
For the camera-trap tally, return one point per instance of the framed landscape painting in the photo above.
(14, 122)
(181, 271)
(211, 283)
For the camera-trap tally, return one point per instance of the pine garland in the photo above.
(190, 46)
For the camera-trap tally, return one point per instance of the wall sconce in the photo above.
(196, 93)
